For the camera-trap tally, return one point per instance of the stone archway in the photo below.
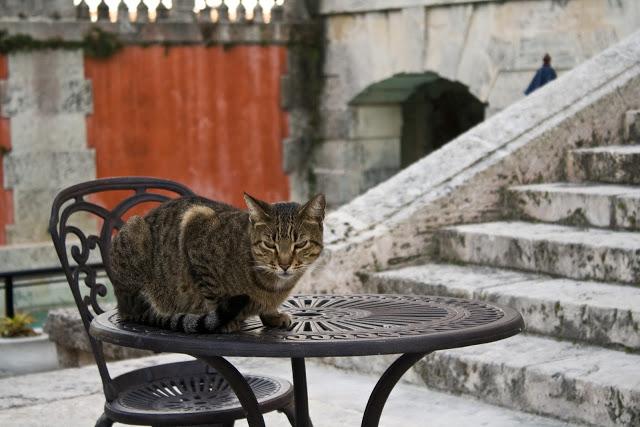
(405, 117)
(436, 113)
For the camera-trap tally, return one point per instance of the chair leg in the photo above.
(104, 421)
(290, 412)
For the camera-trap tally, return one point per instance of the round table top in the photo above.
(335, 325)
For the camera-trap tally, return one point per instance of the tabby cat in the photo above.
(197, 265)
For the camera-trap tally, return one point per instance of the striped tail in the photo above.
(192, 323)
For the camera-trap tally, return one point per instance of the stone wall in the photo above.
(46, 98)
(493, 47)
(464, 181)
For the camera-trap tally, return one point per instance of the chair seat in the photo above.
(188, 393)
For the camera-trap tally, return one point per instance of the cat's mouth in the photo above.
(284, 274)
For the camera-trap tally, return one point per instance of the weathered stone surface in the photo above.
(583, 204)
(508, 88)
(66, 329)
(593, 312)
(49, 97)
(60, 132)
(340, 183)
(46, 98)
(463, 181)
(479, 44)
(31, 221)
(359, 6)
(594, 254)
(572, 382)
(450, 27)
(632, 126)
(294, 153)
(52, 9)
(616, 164)
(48, 169)
(334, 124)
(336, 399)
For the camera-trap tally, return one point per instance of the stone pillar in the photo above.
(300, 96)
(46, 98)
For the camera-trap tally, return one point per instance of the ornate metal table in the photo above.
(331, 325)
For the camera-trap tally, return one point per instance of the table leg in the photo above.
(385, 384)
(240, 387)
(301, 398)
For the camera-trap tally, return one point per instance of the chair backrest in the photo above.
(84, 250)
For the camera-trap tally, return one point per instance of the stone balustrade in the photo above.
(140, 11)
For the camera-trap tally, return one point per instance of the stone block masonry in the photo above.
(46, 99)
(493, 47)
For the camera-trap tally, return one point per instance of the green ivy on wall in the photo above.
(97, 43)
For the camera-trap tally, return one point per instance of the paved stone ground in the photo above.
(72, 397)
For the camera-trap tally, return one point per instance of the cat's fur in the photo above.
(198, 265)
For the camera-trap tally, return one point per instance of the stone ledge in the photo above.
(334, 7)
(592, 254)
(66, 330)
(163, 32)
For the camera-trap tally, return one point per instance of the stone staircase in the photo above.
(567, 256)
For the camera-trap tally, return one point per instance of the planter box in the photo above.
(27, 355)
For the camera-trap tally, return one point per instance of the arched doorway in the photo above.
(436, 113)
(432, 111)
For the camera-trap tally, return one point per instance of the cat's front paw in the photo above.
(276, 320)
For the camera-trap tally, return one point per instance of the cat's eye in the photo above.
(268, 245)
(302, 244)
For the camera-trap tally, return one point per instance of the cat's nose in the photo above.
(284, 267)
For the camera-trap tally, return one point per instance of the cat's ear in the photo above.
(259, 211)
(313, 210)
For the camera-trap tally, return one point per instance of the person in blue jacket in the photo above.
(543, 76)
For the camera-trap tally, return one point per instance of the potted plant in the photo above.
(24, 349)
(17, 326)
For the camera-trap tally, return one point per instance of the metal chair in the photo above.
(183, 393)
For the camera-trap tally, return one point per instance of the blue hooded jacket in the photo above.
(543, 76)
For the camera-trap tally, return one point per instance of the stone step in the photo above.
(581, 204)
(589, 253)
(597, 313)
(570, 381)
(613, 164)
